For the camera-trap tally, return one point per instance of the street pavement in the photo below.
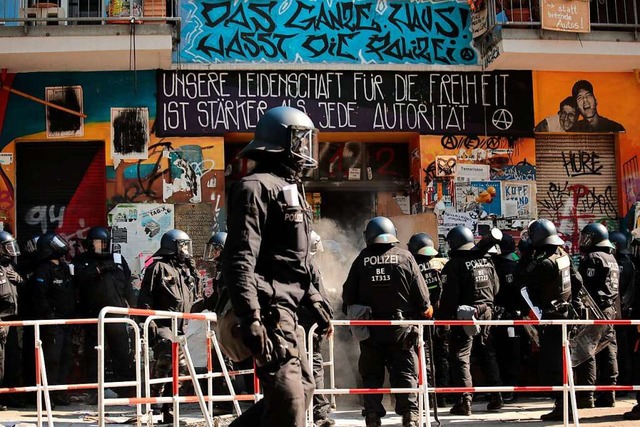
(527, 410)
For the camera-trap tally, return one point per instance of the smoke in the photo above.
(334, 267)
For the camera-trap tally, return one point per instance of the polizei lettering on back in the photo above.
(381, 259)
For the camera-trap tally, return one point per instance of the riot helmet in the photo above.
(286, 131)
(175, 242)
(380, 230)
(619, 240)
(31, 245)
(98, 241)
(422, 244)
(315, 242)
(214, 246)
(543, 232)
(8, 246)
(52, 246)
(507, 245)
(594, 235)
(460, 238)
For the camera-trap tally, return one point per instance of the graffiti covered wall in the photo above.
(327, 31)
(140, 167)
(592, 103)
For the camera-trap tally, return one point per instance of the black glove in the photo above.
(254, 336)
(411, 338)
(322, 317)
(13, 276)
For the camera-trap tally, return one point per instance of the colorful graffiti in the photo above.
(344, 31)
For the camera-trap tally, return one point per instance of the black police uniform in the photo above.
(549, 277)
(266, 266)
(431, 270)
(387, 279)
(509, 305)
(105, 281)
(600, 273)
(169, 284)
(626, 336)
(10, 282)
(469, 278)
(54, 297)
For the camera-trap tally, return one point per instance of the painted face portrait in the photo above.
(587, 104)
(568, 116)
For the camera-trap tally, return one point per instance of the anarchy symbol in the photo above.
(502, 119)
(467, 54)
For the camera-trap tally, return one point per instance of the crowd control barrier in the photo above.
(568, 387)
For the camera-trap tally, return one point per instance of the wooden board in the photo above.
(408, 225)
(566, 15)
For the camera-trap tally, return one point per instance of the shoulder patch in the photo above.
(591, 272)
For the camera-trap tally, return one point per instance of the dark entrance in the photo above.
(349, 209)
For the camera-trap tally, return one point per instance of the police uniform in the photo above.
(600, 273)
(54, 297)
(431, 272)
(626, 336)
(387, 279)
(169, 284)
(10, 282)
(469, 278)
(105, 281)
(549, 277)
(266, 266)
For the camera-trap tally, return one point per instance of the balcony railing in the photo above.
(607, 15)
(86, 12)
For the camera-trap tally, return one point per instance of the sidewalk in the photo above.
(527, 410)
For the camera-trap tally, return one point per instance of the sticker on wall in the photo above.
(129, 134)
(61, 124)
(466, 172)
(446, 166)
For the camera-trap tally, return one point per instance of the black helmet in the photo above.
(422, 244)
(620, 241)
(524, 247)
(98, 241)
(52, 246)
(507, 244)
(543, 232)
(31, 245)
(8, 245)
(284, 130)
(380, 230)
(214, 246)
(175, 242)
(595, 235)
(460, 238)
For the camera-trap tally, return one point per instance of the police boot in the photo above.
(633, 414)
(167, 415)
(606, 400)
(324, 422)
(463, 407)
(585, 401)
(373, 420)
(410, 420)
(495, 402)
(557, 414)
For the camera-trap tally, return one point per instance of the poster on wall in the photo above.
(572, 16)
(518, 199)
(481, 197)
(129, 133)
(61, 124)
(136, 231)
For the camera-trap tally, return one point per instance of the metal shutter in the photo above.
(576, 182)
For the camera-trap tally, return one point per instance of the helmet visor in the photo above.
(59, 245)
(303, 143)
(102, 247)
(31, 246)
(184, 248)
(211, 252)
(11, 248)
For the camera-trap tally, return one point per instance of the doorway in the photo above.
(349, 210)
(60, 187)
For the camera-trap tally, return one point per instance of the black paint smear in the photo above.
(129, 131)
(61, 121)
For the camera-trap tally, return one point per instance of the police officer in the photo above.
(509, 306)
(170, 283)
(54, 297)
(387, 279)
(600, 273)
(103, 279)
(10, 282)
(470, 283)
(424, 252)
(549, 279)
(625, 335)
(321, 405)
(213, 264)
(266, 264)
